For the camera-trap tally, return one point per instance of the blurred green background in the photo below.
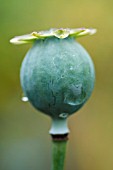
(24, 140)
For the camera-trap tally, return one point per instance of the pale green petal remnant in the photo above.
(23, 39)
(60, 33)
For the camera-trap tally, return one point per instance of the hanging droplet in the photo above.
(25, 99)
(63, 115)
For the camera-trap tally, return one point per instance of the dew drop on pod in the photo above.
(57, 74)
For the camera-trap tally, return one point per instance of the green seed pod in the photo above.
(57, 75)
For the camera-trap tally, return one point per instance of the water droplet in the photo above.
(25, 99)
(75, 95)
(63, 115)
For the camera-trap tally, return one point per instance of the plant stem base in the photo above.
(58, 154)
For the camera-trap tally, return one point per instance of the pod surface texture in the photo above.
(57, 76)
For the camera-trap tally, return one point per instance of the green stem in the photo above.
(58, 154)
